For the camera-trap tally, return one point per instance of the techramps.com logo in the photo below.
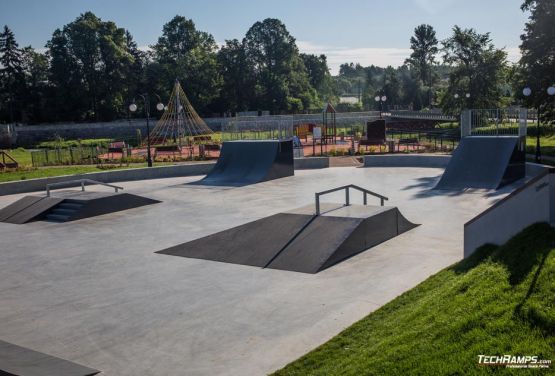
(514, 361)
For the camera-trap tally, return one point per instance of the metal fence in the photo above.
(283, 126)
(67, 156)
(494, 122)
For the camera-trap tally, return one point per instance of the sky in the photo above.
(366, 32)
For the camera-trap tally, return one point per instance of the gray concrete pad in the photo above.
(94, 292)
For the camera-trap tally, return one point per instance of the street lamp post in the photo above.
(527, 92)
(381, 99)
(159, 107)
(467, 96)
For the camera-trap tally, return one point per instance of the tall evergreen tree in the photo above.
(424, 45)
(11, 73)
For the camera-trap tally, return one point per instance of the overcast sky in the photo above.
(368, 32)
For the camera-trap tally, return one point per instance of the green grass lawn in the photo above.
(547, 144)
(21, 155)
(45, 172)
(499, 301)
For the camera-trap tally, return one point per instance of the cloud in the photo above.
(366, 56)
(363, 55)
(513, 54)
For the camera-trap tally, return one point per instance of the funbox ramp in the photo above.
(17, 360)
(251, 161)
(67, 206)
(484, 162)
(299, 240)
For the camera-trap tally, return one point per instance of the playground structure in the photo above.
(180, 130)
(332, 133)
(7, 161)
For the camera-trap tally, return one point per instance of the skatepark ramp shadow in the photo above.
(300, 240)
(484, 162)
(250, 161)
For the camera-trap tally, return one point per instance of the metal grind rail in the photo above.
(365, 193)
(73, 183)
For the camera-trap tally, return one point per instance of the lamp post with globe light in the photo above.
(527, 92)
(381, 99)
(159, 107)
(467, 96)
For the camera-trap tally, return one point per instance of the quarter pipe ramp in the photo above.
(485, 162)
(251, 161)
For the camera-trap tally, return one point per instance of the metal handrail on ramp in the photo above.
(365, 192)
(71, 183)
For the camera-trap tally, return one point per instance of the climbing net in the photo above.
(180, 124)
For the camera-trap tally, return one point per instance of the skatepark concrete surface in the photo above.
(94, 291)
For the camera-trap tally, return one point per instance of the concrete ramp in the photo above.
(17, 360)
(67, 206)
(251, 161)
(485, 162)
(299, 240)
(27, 208)
(255, 243)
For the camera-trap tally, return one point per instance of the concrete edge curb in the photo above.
(407, 160)
(145, 173)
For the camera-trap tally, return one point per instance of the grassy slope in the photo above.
(499, 301)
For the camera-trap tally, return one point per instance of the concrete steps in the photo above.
(63, 211)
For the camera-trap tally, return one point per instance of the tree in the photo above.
(134, 75)
(478, 69)
(319, 75)
(189, 55)
(282, 82)
(11, 72)
(424, 49)
(537, 64)
(391, 87)
(35, 68)
(89, 63)
(238, 77)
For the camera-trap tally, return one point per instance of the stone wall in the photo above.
(29, 135)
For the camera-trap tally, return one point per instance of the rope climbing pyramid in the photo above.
(180, 124)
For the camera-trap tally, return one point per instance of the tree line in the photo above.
(92, 70)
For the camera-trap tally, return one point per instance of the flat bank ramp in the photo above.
(254, 243)
(20, 361)
(298, 240)
(484, 162)
(27, 209)
(251, 161)
(67, 206)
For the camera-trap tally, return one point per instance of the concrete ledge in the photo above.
(311, 163)
(529, 204)
(534, 169)
(407, 160)
(33, 185)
